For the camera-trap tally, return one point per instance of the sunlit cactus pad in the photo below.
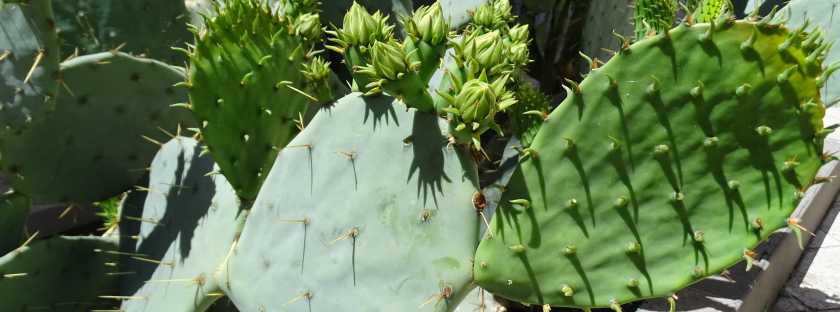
(92, 147)
(666, 165)
(247, 88)
(188, 218)
(368, 209)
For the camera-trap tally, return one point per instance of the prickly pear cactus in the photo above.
(92, 146)
(31, 279)
(144, 27)
(28, 63)
(189, 220)
(653, 16)
(14, 208)
(825, 15)
(369, 208)
(658, 170)
(252, 75)
(709, 10)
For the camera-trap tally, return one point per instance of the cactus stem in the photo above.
(35, 64)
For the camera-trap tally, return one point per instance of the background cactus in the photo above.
(286, 199)
(147, 27)
(28, 63)
(13, 210)
(33, 280)
(368, 207)
(648, 151)
(92, 146)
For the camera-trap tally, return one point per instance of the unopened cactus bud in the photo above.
(362, 28)
(502, 9)
(316, 70)
(428, 24)
(309, 26)
(487, 50)
(519, 54)
(389, 59)
(519, 34)
(484, 15)
(476, 100)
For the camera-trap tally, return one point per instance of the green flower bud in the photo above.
(316, 70)
(487, 49)
(389, 59)
(503, 9)
(519, 34)
(476, 101)
(519, 54)
(362, 28)
(308, 25)
(485, 16)
(428, 24)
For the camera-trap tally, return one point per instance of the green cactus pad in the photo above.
(244, 90)
(653, 15)
(528, 115)
(368, 209)
(28, 49)
(14, 209)
(710, 10)
(91, 147)
(663, 167)
(143, 27)
(32, 280)
(824, 14)
(189, 220)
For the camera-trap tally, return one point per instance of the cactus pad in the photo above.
(246, 89)
(143, 27)
(28, 63)
(14, 208)
(368, 208)
(91, 147)
(189, 218)
(666, 165)
(653, 16)
(32, 280)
